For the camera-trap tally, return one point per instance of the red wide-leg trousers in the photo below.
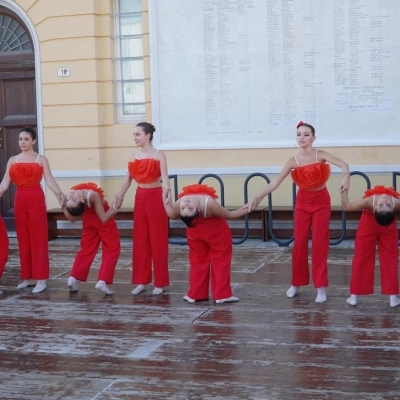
(210, 254)
(313, 210)
(150, 238)
(369, 233)
(32, 233)
(3, 246)
(95, 232)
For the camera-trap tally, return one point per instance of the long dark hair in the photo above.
(384, 218)
(77, 210)
(191, 220)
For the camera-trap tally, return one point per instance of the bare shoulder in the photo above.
(94, 196)
(322, 154)
(42, 160)
(132, 157)
(159, 155)
(289, 165)
(12, 160)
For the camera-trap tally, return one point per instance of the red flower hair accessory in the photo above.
(301, 123)
(382, 190)
(198, 188)
(89, 186)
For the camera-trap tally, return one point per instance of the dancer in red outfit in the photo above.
(209, 239)
(98, 227)
(377, 225)
(148, 168)
(310, 171)
(26, 171)
(4, 243)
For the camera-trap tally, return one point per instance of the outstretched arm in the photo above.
(216, 210)
(5, 183)
(290, 164)
(50, 181)
(357, 205)
(345, 182)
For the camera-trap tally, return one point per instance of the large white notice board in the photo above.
(242, 73)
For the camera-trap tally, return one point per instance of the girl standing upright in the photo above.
(310, 171)
(148, 167)
(25, 171)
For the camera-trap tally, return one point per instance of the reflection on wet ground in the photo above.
(84, 345)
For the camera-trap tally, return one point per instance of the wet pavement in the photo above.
(85, 345)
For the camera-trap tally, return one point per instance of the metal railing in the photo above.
(271, 233)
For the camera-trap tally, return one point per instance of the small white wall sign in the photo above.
(63, 71)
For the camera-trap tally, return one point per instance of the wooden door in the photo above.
(17, 96)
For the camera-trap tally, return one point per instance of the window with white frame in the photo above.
(129, 65)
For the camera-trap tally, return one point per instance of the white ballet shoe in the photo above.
(231, 299)
(352, 300)
(394, 301)
(138, 289)
(25, 284)
(158, 290)
(102, 286)
(188, 299)
(40, 287)
(73, 286)
(292, 291)
(321, 295)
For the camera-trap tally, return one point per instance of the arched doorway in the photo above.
(17, 95)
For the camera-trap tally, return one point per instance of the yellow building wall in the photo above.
(80, 129)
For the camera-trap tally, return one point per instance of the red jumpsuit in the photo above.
(312, 211)
(370, 233)
(95, 232)
(3, 246)
(150, 226)
(31, 220)
(210, 252)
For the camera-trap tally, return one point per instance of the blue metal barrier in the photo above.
(394, 180)
(281, 243)
(175, 178)
(270, 206)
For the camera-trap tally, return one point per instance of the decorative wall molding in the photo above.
(245, 171)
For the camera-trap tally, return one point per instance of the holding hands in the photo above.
(62, 199)
(345, 183)
(166, 195)
(117, 203)
(253, 204)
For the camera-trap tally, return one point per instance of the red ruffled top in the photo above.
(381, 190)
(145, 170)
(311, 177)
(198, 188)
(26, 174)
(89, 186)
